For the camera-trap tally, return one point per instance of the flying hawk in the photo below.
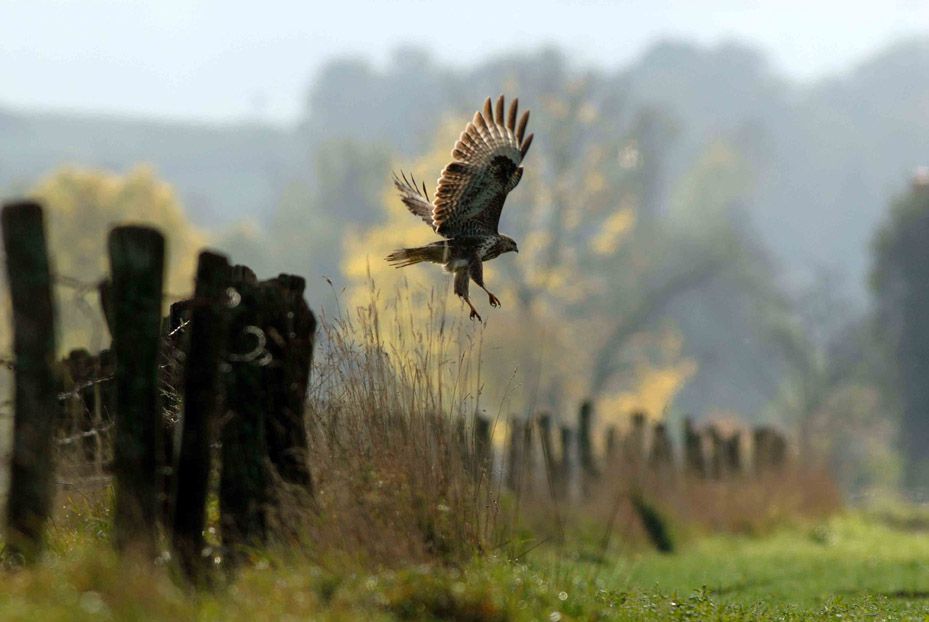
(469, 198)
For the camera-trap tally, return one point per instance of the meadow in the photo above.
(855, 565)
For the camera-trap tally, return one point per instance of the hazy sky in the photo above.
(225, 60)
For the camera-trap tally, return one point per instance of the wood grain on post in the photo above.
(35, 396)
(137, 267)
(202, 388)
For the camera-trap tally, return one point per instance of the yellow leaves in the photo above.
(81, 206)
(612, 231)
(653, 392)
(84, 203)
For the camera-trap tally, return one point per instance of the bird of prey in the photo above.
(469, 197)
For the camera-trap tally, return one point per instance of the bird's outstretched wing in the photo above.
(485, 167)
(416, 200)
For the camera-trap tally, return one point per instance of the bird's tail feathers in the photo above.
(403, 257)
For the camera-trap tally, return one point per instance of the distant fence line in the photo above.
(570, 461)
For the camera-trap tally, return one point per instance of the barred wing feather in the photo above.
(416, 200)
(485, 167)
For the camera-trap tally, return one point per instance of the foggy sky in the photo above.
(224, 61)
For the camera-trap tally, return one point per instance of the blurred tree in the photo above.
(305, 235)
(82, 205)
(900, 281)
(592, 280)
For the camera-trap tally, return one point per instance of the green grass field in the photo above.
(854, 566)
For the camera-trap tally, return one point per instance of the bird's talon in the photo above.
(494, 301)
(475, 314)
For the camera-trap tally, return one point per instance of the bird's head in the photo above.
(509, 244)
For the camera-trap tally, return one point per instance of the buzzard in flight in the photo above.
(469, 198)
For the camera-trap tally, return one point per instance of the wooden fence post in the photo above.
(589, 471)
(769, 450)
(585, 440)
(244, 493)
(611, 445)
(35, 397)
(202, 391)
(481, 453)
(566, 464)
(716, 460)
(733, 453)
(137, 266)
(661, 457)
(694, 464)
(634, 446)
(291, 330)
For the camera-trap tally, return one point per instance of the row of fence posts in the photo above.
(240, 353)
(645, 450)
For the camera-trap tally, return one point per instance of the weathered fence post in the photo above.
(202, 391)
(244, 493)
(589, 472)
(566, 464)
(661, 457)
(31, 470)
(716, 460)
(137, 266)
(481, 453)
(291, 332)
(694, 463)
(634, 446)
(732, 449)
(769, 450)
(611, 445)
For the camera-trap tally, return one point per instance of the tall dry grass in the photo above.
(391, 405)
